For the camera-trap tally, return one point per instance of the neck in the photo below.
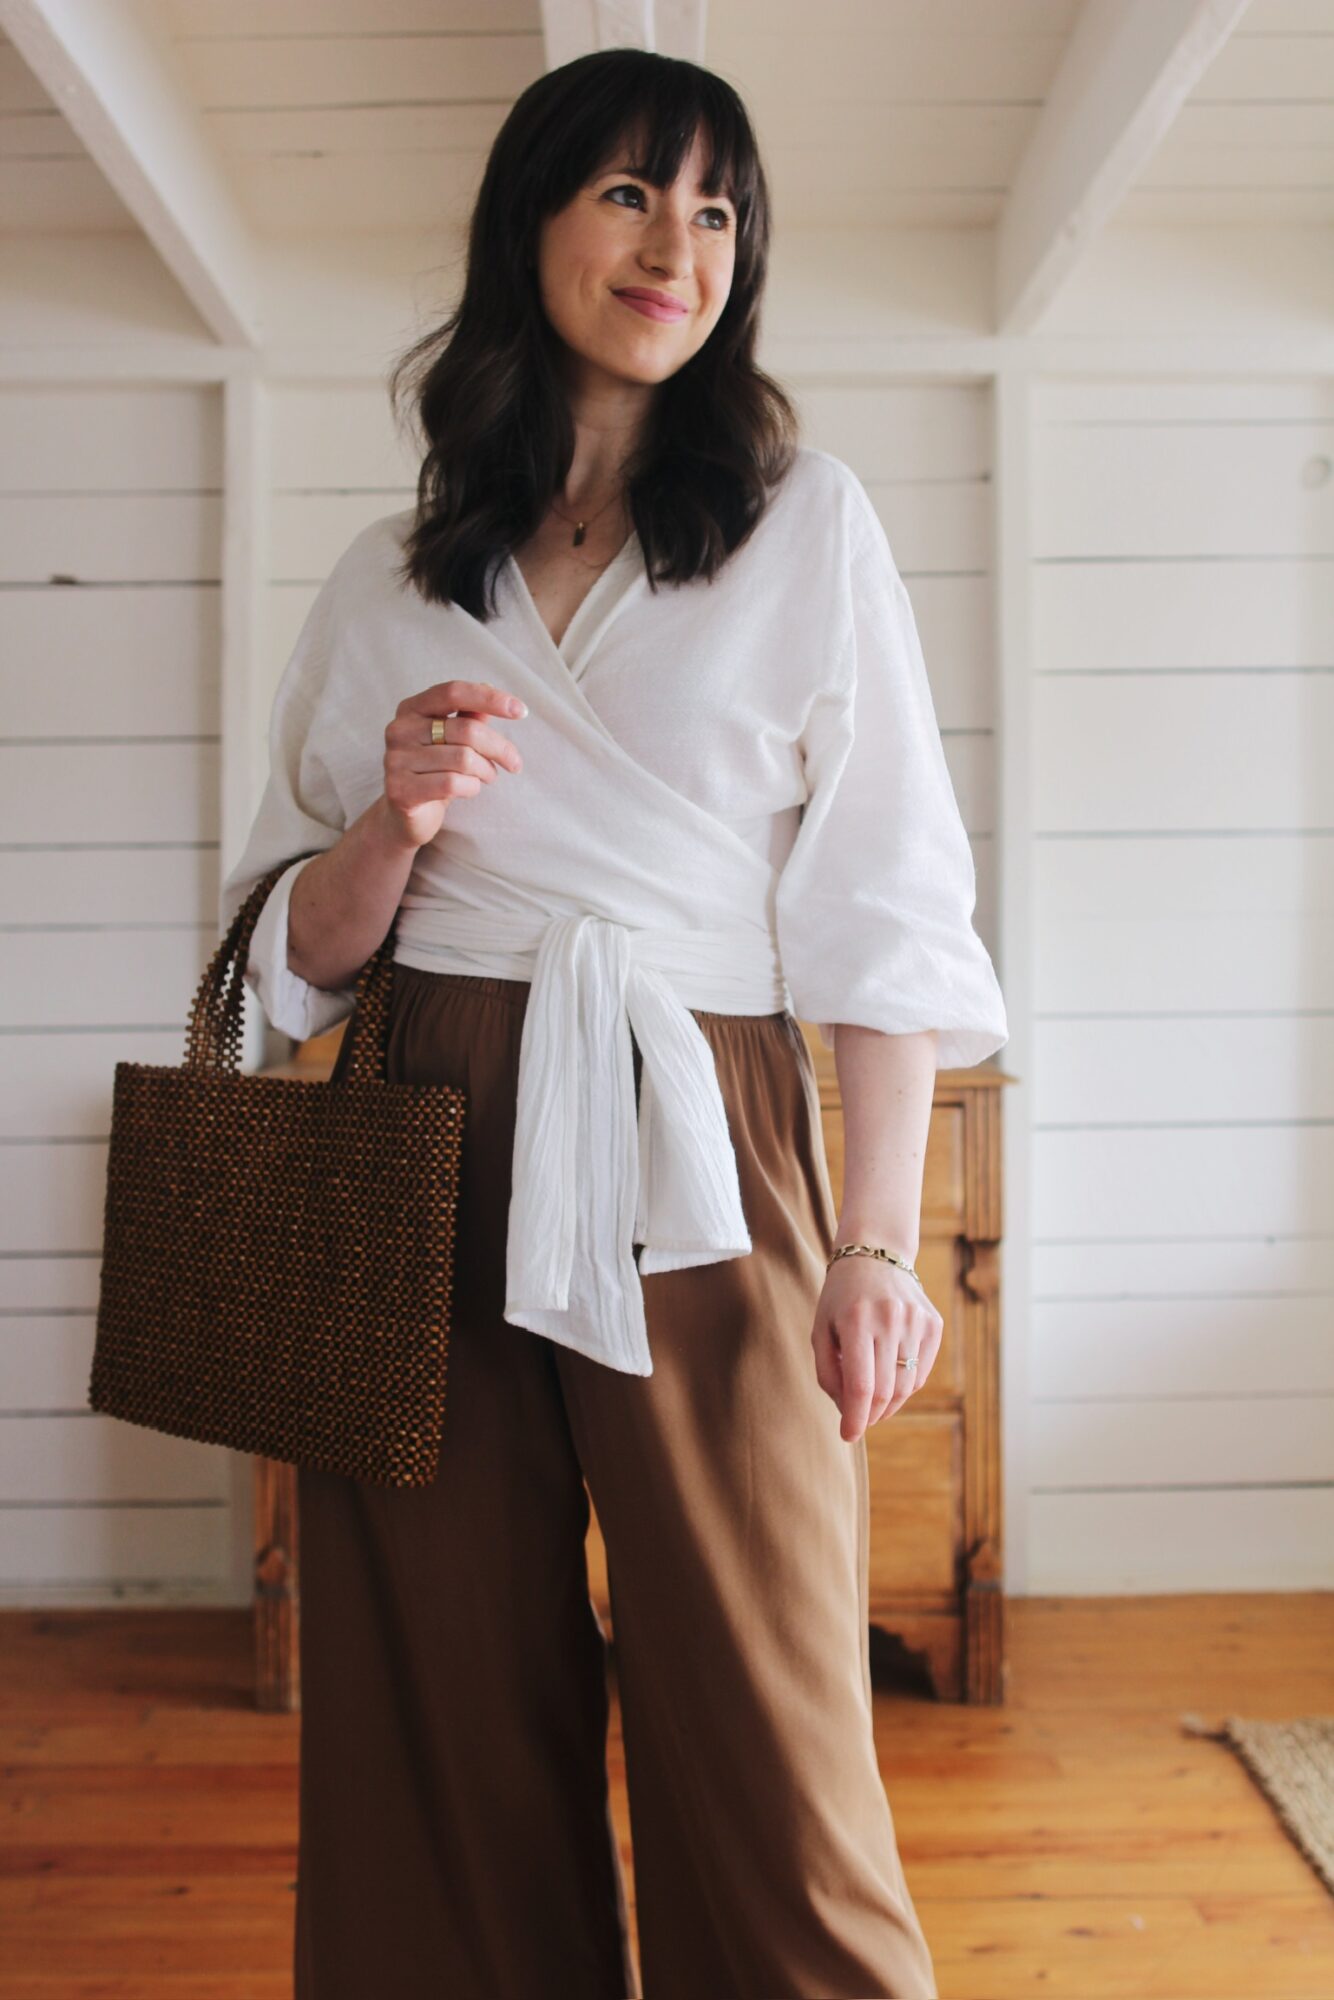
(609, 423)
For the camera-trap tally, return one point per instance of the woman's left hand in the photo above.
(869, 1316)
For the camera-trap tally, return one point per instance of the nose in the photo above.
(668, 246)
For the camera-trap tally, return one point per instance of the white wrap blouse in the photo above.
(734, 797)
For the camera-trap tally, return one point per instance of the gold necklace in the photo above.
(580, 527)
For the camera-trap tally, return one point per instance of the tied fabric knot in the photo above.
(591, 1178)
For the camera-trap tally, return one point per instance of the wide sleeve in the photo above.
(300, 814)
(875, 900)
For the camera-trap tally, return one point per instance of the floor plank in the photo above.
(1072, 1842)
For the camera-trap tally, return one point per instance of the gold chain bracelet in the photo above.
(873, 1250)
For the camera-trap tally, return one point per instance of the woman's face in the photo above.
(621, 235)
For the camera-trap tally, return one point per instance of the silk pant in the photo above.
(455, 1838)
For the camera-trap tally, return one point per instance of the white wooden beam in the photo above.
(112, 78)
(577, 27)
(1126, 71)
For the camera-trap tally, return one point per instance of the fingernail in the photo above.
(521, 708)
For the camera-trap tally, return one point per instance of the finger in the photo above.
(411, 734)
(911, 1379)
(915, 1377)
(856, 1358)
(444, 773)
(411, 729)
(827, 1372)
(433, 759)
(478, 697)
(924, 1334)
(490, 742)
(887, 1373)
(907, 1379)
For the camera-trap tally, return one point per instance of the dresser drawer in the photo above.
(916, 1466)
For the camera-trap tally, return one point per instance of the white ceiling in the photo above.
(1254, 142)
(362, 115)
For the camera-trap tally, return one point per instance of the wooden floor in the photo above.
(1072, 1843)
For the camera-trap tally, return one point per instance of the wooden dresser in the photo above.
(936, 1600)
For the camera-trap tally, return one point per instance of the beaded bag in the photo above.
(278, 1255)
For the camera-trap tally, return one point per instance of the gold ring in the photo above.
(437, 730)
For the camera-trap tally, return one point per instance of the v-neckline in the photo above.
(532, 644)
(581, 631)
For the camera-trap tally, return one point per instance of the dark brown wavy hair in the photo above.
(485, 392)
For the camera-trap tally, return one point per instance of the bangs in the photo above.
(642, 115)
(655, 140)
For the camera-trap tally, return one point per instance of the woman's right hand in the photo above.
(421, 777)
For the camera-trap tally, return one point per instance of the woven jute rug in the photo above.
(1293, 1764)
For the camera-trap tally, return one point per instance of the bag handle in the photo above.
(213, 1034)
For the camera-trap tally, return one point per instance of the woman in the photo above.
(626, 725)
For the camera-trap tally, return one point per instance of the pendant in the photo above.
(579, 533)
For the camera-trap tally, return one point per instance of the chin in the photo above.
(645, 371)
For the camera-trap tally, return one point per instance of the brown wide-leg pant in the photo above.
(455, 1840)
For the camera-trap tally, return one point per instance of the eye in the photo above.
(724, 215)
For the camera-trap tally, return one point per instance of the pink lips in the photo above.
(652, 306)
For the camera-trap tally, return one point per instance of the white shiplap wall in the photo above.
(1182, 1353)
(335, 464)
(109, 645)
